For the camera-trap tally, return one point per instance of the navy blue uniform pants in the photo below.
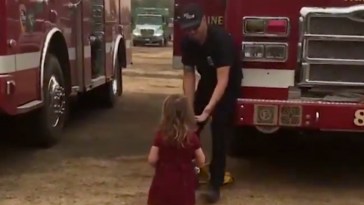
(221, 130)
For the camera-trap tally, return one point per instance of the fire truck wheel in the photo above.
(52, 116)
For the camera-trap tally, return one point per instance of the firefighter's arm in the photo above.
(223, 61)
(222, 81)
(188, 71)
(189, 83)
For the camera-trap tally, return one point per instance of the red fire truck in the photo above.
(52, 50)
(302, 63)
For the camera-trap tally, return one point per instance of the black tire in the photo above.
(108, 94)
(49, 121)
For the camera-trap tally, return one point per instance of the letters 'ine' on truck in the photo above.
(51, 50)
(302, 62)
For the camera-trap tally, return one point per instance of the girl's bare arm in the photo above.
(153, 155)
(200, 157)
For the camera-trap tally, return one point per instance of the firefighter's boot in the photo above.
(204, 176)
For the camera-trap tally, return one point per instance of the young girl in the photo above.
(175, 146)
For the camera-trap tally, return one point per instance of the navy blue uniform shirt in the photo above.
(217, 51)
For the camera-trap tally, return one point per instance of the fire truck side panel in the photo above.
(6, 61)
(31, 29)
(214, 10)
(265, 88)
(3, 47)
(28, 36)
(26, 30)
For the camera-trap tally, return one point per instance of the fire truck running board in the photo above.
(29, 106)
(75, 90)
(97, 82)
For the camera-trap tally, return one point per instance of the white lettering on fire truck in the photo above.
(359, 118)
(219, 20)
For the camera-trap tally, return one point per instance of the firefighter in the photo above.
(210, 50)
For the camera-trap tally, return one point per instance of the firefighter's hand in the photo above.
(203, 117)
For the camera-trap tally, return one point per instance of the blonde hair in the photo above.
(177, 120)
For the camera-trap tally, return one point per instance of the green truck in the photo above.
(151, 26)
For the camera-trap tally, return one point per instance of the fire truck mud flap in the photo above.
(48, 122)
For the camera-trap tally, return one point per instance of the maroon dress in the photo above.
(174, 181)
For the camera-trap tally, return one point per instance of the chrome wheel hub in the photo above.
(57, 102)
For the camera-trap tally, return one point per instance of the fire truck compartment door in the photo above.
(76, 12)
(90, 38)
(97, 40)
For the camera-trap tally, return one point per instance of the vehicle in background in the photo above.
(51, 51)
(151, 26)
(302, 66)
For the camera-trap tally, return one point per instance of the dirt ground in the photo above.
(102, 158)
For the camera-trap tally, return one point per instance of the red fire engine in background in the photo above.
(52, 50)
(302, 63)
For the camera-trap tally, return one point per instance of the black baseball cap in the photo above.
(191, 16)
